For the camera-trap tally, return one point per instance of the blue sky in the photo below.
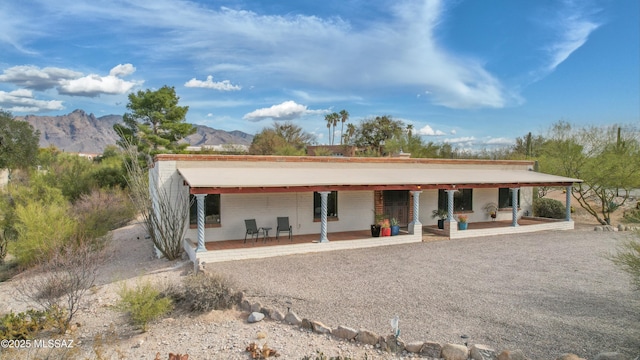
(472, 73)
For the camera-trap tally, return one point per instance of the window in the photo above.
(332, 205)
(462, 200)
(505, 198)
(211, 210)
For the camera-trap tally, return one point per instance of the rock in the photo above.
(276, 315)
(245, 305)
(266, 311)
(511, 355)
(455, 352)
(255, 307)
(344, 332)
(320, 328)
(255, 317)
(306, 324)
(292, 318)
(569, 356)
(609, 356)
(394, 345)
(598, 228)
(414, 346)
(482, 352)
(431, 349)
(608, 228)
(367, 337)
(621, 227)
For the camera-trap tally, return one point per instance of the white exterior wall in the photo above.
(355, 212)
(481, 197)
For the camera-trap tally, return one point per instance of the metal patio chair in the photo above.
(252, 230)
(283, 226)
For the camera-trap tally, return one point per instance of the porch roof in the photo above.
(278, 179)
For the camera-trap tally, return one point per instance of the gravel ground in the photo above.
(546, 293)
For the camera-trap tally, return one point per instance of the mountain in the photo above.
(84, 133)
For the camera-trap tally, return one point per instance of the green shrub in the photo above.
(203, 292)
(627, 258)
(632, 216)
(102, 211)
(42, 229)
(23, 325)
(549, 208)
(143, 304)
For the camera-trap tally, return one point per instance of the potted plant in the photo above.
(492, 210)
(395, 227)
(385, 228)
(462, 222)
(441, 214)
(375, 228)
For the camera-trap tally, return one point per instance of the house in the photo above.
(322, 196)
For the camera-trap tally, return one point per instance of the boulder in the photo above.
(621, 227)
(320, 328)
(245, 305)
(255, 307)
(306, 324)
(367, 337)
(414, 346)
(393, 344)
(292, 318)
(276, 315)
(482, 352)
(511, 355)
(344, 332)
(455, 352)
(266, 311)
(255, 316)
(431, 349)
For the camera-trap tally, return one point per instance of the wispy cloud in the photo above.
(572, 25)
(293, 50)
(23, 101)
(288, 110)
(224, 85)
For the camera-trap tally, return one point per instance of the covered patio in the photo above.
(229, 250)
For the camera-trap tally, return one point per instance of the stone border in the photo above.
(396, 345)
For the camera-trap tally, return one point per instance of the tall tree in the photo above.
(18, 143)
(332, 120)
(156, 123)
(281, 139)
(604, 161)
(374, 132)
(344, 116)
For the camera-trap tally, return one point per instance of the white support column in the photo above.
(416, 212)
(514, 206)
(200, 204)
(450, 205)
(568, 203)
(324, 195)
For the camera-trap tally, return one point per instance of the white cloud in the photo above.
(461, 140)
(224, 85)
(453, 131)
(93, 85)
(22, 100)
(499, 141)
(428, 131)
(287, 110)
(35, 78)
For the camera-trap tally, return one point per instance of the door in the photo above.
(396, 205)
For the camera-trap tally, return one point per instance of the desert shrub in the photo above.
(143, 303)
(627, 258)
(23, 325)
(42, 229)
(549, 208)
(101, 211)
(58, 285)
(203, 292)
(631, 216)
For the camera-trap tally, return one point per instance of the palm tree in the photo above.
(409, 130)
(332, 120)
(344, 116)
(351, 130)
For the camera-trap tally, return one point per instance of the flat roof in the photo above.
(271, 177)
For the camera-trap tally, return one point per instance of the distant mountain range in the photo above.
(84, 133)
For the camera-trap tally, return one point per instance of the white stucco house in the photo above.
(322, 196)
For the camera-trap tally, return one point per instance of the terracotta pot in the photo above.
(385, 231)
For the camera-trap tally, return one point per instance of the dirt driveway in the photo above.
(546, 293)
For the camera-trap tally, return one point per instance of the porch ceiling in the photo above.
(272, 179)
